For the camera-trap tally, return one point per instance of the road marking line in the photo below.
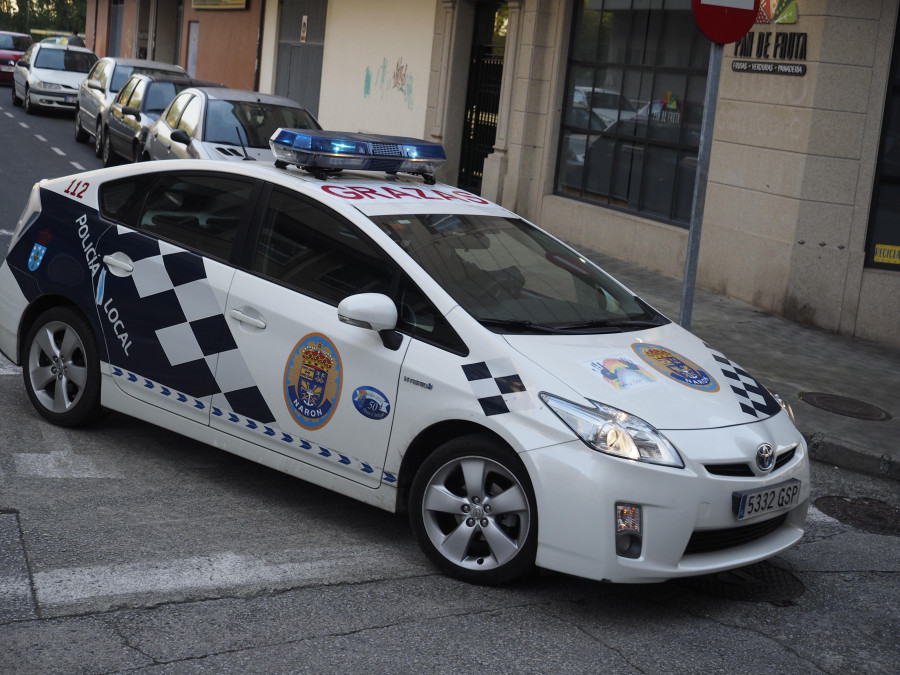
(40, 138)
(57, 151)
(23, 125)
(77, 166)
(9, 114)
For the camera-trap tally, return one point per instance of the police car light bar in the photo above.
(323, 152)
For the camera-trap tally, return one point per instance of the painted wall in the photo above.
(376, 66)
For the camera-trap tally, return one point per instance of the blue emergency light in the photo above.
(323, 152)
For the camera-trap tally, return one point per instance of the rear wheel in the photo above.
(98, 138)
(81, 136)
(109, 155)
(473, 511)
(62, 368)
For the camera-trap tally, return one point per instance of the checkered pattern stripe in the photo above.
(198, 349)
(497, 386)
(753, 398)
(269, 430)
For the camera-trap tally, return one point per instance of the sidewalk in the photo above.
(794, 360)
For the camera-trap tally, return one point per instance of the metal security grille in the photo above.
(390, 149)
(482, 94)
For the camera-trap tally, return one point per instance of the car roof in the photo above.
(50, 45)
(226, 94)
(144, 63)
(175, 77)
(9, 32)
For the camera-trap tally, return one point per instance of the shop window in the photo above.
(635, 85)
(883, 244)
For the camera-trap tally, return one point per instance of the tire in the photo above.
(98, 139)
(108, 155)
(61, 368)
(15, 99)
(30, 108)
(473, 511)
(136, 155)
(81, 136)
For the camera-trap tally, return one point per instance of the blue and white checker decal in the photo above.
(272, 431)
(754, 399)
(193, 343)
(497, 386)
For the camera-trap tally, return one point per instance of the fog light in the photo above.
(628, 530)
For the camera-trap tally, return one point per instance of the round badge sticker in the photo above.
(371, 403)
(312, 381)
(676, 367)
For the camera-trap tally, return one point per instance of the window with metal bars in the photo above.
(635, 84)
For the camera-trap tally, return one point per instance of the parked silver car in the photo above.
(100, 87)
(225, 124)
(48, 75)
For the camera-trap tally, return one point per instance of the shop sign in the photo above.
(774, 53)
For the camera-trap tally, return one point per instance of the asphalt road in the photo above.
(124, 547)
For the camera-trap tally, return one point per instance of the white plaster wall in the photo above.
(376, 66)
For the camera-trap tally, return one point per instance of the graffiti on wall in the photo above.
(386, 82)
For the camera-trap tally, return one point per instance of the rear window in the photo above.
(63, 59)
(16, 43)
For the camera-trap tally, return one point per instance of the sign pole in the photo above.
(706, 135)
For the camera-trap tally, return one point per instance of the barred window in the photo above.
(635, 85)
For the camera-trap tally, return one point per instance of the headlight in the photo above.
(615, 432)
(784, 405)
(38, 84)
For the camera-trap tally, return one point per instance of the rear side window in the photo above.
(202, 212)
(175, 109)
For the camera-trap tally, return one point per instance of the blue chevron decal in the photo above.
(233, 418)
(148, 384)
(269, 431)
(216, 411)
(251, 424)
(343, 459)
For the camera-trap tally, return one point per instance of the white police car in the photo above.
(408, 344)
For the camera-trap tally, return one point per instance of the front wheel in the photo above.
(81, 136)
(62, 368)
(15, 99)
(473, 512)
(30, 108)
(108, 154)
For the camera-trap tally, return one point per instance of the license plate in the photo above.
(7, 69)
(752, 503)
(69, 99)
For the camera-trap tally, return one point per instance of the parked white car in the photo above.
(408, 344)
(48, 76)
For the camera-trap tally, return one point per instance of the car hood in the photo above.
(666, 376)
(63, 77)
(235, 153)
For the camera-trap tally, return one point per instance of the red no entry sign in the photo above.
(725, 21)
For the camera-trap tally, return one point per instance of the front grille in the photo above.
(704, 541)
(743, 470)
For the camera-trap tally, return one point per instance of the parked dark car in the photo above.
(12, 48)
(101, 86)
(136, 107)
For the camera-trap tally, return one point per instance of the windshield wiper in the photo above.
(523, 326)
(519, 326)
(614, 323)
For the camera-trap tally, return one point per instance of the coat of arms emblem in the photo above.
(313, 381)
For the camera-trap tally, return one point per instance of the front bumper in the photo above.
(54, 99)
(577, 490)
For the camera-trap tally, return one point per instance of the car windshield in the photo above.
(16, 43)
(255, 122)
(63, 59)
(515, 278)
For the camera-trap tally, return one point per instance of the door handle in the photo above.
(253, 321)
(118, 263)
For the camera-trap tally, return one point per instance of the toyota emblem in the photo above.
(765, 457)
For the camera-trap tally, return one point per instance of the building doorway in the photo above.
(301, 46)
(482, 92)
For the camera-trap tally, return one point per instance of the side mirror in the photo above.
(128, 110)
(373, 311)
(93, 84)
(180, 136)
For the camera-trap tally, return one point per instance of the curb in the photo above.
(832, 450)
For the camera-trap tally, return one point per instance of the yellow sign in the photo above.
(887, 254)
(219, 4)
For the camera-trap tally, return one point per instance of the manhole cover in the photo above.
(869, 515)
(762, 582)
(848, 407)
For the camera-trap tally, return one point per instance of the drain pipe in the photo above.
(259, 36)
